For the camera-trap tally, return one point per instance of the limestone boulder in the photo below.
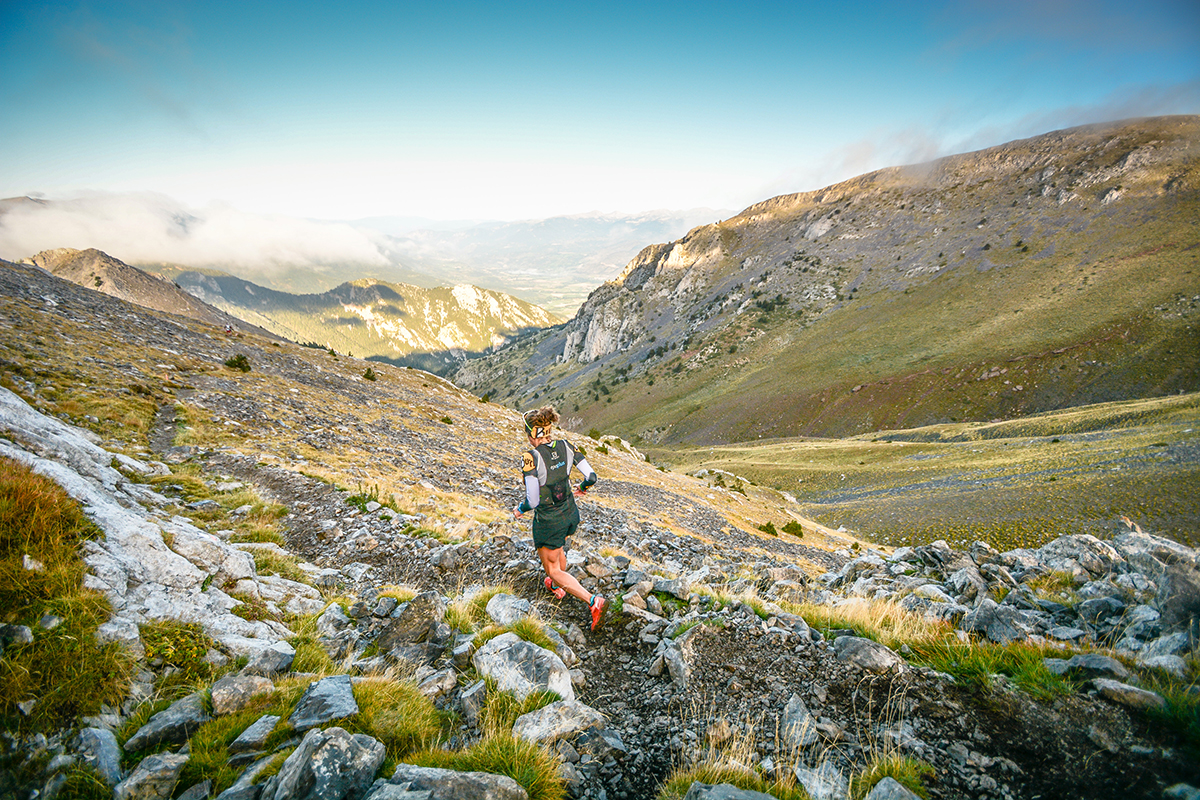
(329, 764)
(522, 667)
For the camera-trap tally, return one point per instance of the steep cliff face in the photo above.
(622, 312)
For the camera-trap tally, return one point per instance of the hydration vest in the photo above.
(553, 463)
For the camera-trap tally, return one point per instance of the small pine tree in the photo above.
(794, 528)
(239, 362)
(369, 374)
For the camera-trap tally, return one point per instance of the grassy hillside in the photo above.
(1043, 274)
(1015, 483)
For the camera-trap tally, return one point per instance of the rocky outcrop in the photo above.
(143, 577)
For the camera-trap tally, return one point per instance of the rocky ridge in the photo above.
(701, 653)
(97, 270)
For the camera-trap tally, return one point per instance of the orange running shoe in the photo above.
(557, 591)
(597, 607)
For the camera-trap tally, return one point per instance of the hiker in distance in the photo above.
(547, 472)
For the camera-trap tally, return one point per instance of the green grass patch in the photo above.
(680, 779)
(503, 708)
(911, 772)
(533, 767)
(528, 628)
(395, 713)
(973, 664)
(269, 562)
(64, 669)
(964, 482)
(1182, 711)
(182, 646)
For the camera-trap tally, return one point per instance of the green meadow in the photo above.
(1018, 483)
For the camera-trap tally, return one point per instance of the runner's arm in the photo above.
(589, 474)
(533, 493)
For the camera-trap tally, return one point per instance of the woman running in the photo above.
(547, 471)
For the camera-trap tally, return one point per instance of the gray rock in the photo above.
(125, 631)
(234, 692)
(413, 622)
(825, 782)
(327, 699)
(246, 786)
(333, 620)
(445, 784)
(15, 634)
(601, 743)
(1000, 624)
(722, 791)
(869, 655)
(199, 791)
(438, 684)
(522, 667)
(1065, 634)
(1099, 609)
(271, 661)
(153, 779)
(676, 587)
(1181, 791)
(1126, 695)
(329, 764)
(1087, 665)
(505, 609)
(472, 701)
(1171, 645)
(1095, 556)
(1174, 666)
(891, 789)
(797, 726)
(423, 654)
(559, 720)
(99, 750)
(382, 790)
(254, 737)
(173, 725)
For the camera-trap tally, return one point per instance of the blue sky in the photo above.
(523, 110)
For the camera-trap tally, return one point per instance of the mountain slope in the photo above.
(373, 319)
(1044, 273)
(100, 271)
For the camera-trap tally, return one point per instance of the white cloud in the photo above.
(142, 228)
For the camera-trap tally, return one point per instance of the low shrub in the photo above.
(238, 362)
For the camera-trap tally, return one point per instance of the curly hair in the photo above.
(543, 417)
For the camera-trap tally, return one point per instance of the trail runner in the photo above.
(547, 472)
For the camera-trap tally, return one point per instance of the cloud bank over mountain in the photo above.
(150, 228)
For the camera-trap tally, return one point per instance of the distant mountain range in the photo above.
(432, 328)
(554, 262)
(1045, 273)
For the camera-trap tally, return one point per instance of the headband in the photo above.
(537, 431)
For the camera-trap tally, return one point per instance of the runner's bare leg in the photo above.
(554, 561)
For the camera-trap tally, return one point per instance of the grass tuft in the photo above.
(64, 668)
